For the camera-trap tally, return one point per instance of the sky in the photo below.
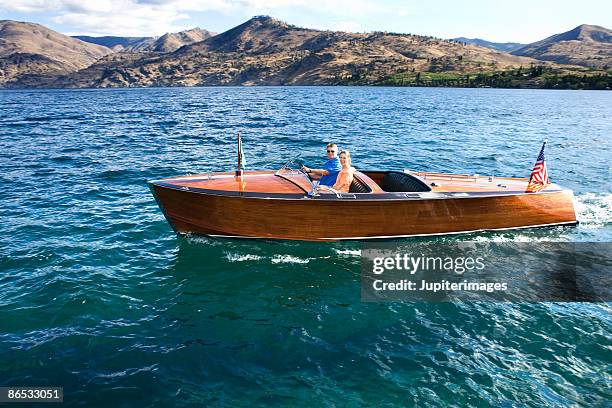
(521, 21)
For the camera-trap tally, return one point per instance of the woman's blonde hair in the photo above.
(348, 156)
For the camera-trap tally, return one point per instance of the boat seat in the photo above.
(358, 186)
(395, 182)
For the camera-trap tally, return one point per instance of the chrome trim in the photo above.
(400, 196)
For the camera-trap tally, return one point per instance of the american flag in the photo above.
(539, 175)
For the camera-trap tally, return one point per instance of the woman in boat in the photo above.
(345, 177)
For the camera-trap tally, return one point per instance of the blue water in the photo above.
(99, 296)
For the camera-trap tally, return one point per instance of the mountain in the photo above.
(115, 43)
(504, 47)
(261, 34)
(28, 48)
(266, 51)
(586, 45)
(166, 43)
(173, 41)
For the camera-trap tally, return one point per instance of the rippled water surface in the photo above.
(99, 296)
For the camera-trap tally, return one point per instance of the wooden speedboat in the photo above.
(380, 204)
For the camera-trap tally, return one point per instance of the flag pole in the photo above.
(541, 150)
(239, 168)
(538, 179)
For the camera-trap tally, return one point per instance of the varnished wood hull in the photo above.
(304, 218)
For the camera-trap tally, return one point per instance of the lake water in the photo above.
(99, 296)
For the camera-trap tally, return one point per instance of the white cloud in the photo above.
(118, 17)
(480, 18)
(28, 6)
(345, 25)
(135, 22)
(156, 17)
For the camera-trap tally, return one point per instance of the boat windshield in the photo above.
(292, 169)
(293, 163)
(293, 166)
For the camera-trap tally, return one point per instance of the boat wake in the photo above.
(290, 259)
(348, 252)
(594, 210)
(275, 259)
(241, 257)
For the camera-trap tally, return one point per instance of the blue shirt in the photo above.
(333, 166)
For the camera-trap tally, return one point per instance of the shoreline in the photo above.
(294, 86)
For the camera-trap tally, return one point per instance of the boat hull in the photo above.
(312, 219)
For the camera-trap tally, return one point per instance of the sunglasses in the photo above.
(331, 151)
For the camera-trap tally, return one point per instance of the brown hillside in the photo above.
(169, 42)
(27, 48)
(586, 45)
(265, 51)
(173, 41)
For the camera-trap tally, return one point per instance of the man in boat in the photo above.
(329, 173)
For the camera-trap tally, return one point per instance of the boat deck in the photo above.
(293, 182)
(443, 183)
